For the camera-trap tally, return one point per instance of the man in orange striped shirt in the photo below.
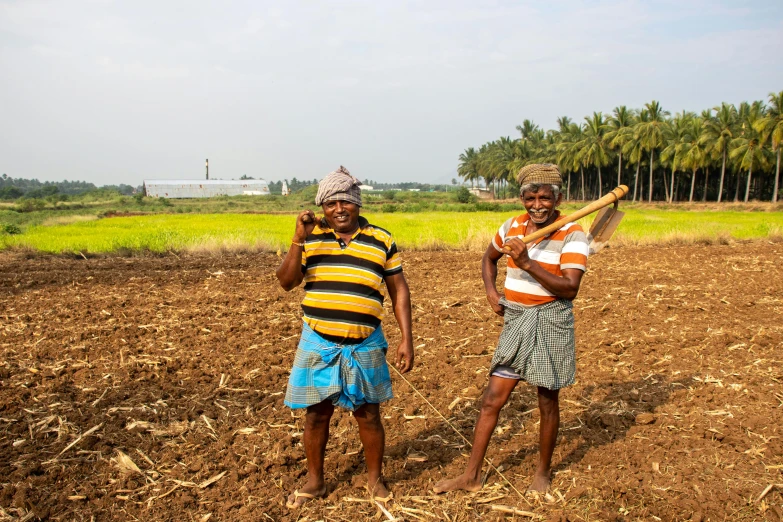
(537, 342)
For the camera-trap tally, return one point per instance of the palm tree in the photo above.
(546, 151)
(717, 136)
(563, 123)
(676, 143)
(651, 134)
(747, 148)
(468, 168)
(694, 155)
(568, 152)
(485, 167)
(706, 115)
(619, 133)
(527, 129)
(523, 155)
(502, 157)
(594, 148)
(770, 127)
(559, 136)
(634, 151)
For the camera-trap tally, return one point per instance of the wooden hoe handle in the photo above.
(608, 199)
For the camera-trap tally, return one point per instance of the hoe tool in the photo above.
(603, 226)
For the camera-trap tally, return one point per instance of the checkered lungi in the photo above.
(537, 344)
(351, 375)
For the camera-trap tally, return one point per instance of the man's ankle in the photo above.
(472, 476)
(314, 483)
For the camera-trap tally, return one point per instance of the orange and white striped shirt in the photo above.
(565, 248)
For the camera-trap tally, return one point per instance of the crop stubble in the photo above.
(150, 387)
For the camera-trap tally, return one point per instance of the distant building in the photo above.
(366, 187)
(204, 188)
(482, 193)
(285, 190)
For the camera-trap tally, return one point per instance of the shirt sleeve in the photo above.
(500, 235)
(393, 262)
(575, 249)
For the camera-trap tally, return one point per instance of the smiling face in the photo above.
(541, 205)
(342, 216)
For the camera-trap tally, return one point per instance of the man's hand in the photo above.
(401, 302)
(517, 250)
(494, 302)
(405, 356)
(305, 223)
(289, 273)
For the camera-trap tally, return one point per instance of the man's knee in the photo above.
(492, 401)
(548, 402)
(369, 414)
(319, 414)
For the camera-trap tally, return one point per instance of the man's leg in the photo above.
(549, 407)
(495, 397)
(316, 434)
(373, 437)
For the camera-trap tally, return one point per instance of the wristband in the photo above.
(297, 243)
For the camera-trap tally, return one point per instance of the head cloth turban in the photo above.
(339, 185)
(539, 173)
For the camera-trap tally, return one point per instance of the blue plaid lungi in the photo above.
(351, 375)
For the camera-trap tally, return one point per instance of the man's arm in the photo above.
(289, 273)
(489, 273)
(400, 296)
(565, 287)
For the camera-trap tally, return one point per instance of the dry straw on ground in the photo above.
(148, 387)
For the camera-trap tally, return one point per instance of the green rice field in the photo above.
(421, 230)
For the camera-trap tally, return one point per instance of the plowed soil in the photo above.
(151, 388)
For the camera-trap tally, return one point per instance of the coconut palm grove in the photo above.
(724, 153)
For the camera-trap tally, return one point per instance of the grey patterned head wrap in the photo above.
(339, 185)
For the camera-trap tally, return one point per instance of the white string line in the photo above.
(460, 434)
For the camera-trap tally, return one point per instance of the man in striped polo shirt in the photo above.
(341, 360)
(537, 341)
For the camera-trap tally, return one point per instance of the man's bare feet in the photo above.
(301, 496)
(463, 482)
(540, 483)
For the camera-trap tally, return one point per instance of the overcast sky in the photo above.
(120, 91)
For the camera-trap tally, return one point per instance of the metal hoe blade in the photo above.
(604, 225)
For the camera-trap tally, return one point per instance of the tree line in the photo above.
(726, 152)
(16, 188)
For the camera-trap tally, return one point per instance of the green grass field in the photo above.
(421, 230)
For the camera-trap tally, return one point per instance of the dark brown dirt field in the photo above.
(151, 388)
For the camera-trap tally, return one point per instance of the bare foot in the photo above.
(462, 482)
(304, 494)
(378, 491)
(540, 483)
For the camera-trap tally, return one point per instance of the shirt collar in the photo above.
(362, 224)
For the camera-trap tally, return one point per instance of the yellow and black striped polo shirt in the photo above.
(343, 283)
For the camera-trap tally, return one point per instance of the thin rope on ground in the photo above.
(460, 434)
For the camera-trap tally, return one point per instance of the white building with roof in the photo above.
(204, 188)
